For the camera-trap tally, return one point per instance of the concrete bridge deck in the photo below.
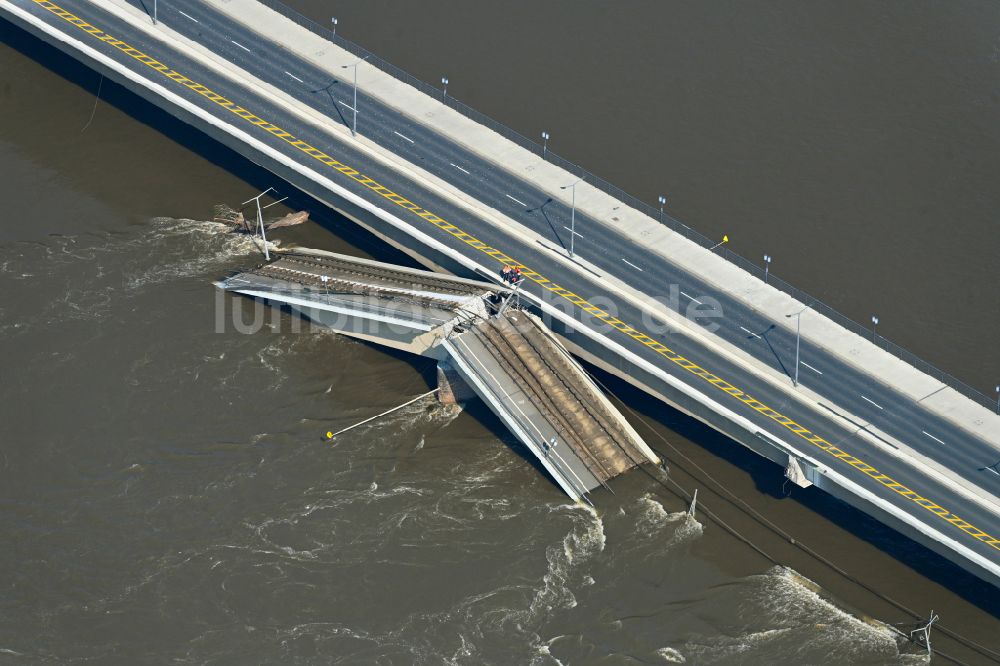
(884, 438)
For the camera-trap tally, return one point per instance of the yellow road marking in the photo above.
(532, 275)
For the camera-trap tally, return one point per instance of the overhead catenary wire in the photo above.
(93, 111)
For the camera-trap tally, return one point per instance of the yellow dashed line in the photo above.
(532, 275)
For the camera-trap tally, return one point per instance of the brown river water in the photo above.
(166, 496)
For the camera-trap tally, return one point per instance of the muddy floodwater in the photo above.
(166, 494)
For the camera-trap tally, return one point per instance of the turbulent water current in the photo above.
(166, 495)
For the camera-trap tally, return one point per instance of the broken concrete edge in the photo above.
(485, 286)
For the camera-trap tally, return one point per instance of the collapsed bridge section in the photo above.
(541, 393)
(403, 308)
(505, 356)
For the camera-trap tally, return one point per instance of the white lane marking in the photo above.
(988, 468)
(403, 137)
(351, 108)
(190, 17)
(933, 437)
(633, 265)
(572, 232)
(811, 368)
(750, 332)
(241, 46)
(517, 200)
(692, 298)
(873, 402)
(295, 77)
(459, 168)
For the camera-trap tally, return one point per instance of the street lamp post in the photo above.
(260, 217)
(572, 218)
(444, 82)
(874, 327)
(767, 266)
(663, 202)
(334, 22)
(998, 398)
(545, 143)
(798, 339)
(354, 128)
(154, 12)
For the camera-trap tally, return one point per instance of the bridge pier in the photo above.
(452, 389)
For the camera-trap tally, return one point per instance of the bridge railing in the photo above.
(631, 201)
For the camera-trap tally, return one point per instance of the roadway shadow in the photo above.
(555, 232)
(774, 352)
(333, 100)
(147, 10)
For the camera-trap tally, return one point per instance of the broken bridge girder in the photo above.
(509, 359)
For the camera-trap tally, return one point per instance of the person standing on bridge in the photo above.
(505, 273)
(516, 275)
